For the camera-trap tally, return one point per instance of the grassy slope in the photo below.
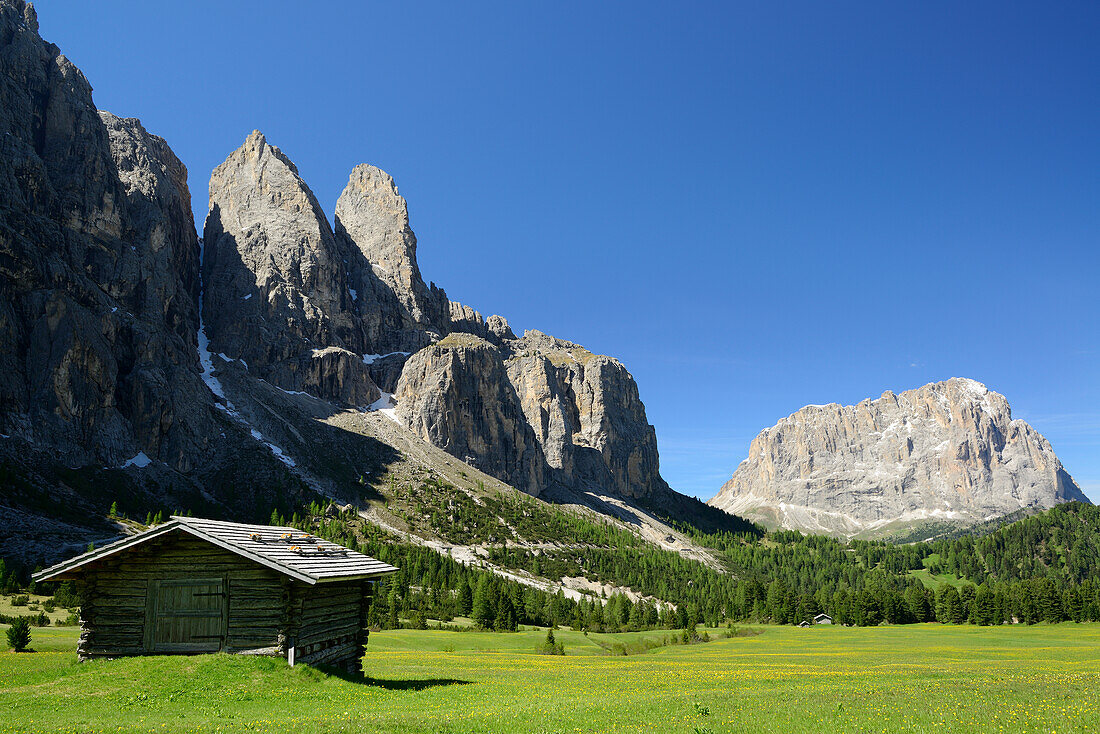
(918, 678)
(934, 581)
(32, 608)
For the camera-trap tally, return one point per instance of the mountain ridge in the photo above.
(948, 451)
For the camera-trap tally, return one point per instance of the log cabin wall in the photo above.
(329, 623)
(238, 605)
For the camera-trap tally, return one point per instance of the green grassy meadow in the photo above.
(918, 678)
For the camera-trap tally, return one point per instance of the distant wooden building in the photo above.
(823, 619)
(197, 586)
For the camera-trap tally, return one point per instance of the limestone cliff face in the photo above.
(946, 451)
(456, 395)
(572, 418)
(276, 284)
(97, 267)
(586, 413)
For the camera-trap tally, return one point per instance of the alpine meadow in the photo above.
(261, 472)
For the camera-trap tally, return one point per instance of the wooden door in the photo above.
(186, 615)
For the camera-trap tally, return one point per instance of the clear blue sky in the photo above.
(755, 206)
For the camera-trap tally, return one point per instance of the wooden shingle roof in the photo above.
(286, 550)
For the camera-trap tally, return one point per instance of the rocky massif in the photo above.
(949, 451)
(139, 363)
(313, 310)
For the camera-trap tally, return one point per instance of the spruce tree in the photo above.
(19, 634)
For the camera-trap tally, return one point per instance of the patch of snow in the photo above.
(354, 294)
(245, 298)
(278, 452)
(206, 360)
(222, 355)
(4, 435)
(386, 406)
(114, 308)
(372, 358)
(140, 461)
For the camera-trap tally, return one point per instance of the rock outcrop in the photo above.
(494, 329)
(948, 451)
(587, 415)
(97, 266)
(456, 395)
(570, 417)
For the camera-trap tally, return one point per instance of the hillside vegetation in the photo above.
(1042, 568)
(521, 551)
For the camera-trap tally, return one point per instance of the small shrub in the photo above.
(550, 646)
(49, 605)
(20, 601)
(70, 621)
(19, 634)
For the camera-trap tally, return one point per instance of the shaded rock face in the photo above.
(98, 266)
(946, 451)
(276, 285)
(373, 220)
(456, 395)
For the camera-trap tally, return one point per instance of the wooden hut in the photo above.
(197, 586)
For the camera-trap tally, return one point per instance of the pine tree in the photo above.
(983, 606)
(484, 611)
(465, 598)
(392, 604)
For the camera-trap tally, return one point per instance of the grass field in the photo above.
(921, 678)
(32, 608)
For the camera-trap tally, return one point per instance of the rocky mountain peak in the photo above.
(465, 319)
(30, 17)
(218, 372)
(277, 291)
(374, 219)
(949, 451)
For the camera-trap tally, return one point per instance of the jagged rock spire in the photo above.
(374, 219)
